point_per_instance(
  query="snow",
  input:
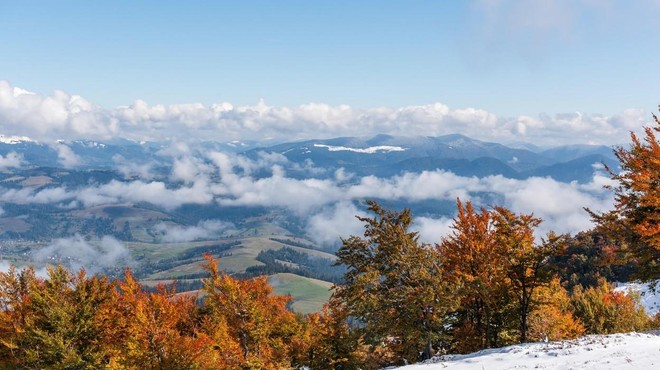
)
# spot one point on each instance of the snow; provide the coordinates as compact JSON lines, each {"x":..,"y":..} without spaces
{"x":14,"y":139}
{"x":650,"y":299}
{"x":616,"y":351}
{"x":369,"y":150}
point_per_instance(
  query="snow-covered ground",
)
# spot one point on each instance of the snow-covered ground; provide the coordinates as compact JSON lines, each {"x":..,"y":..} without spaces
{"x":601,"y":352}
{"x":650,"y":299}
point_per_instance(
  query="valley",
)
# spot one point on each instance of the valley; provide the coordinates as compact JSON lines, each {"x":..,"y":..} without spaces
{"x":274,"y":210}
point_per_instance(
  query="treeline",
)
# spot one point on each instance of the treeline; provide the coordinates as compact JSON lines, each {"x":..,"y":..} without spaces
{"x":487,"y":284}
{"x":289,"y":260}
{"x":67,"y":321}
{"x":188,"y":256}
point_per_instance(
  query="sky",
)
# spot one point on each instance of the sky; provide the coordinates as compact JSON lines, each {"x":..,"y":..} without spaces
{"x":509,"y":57}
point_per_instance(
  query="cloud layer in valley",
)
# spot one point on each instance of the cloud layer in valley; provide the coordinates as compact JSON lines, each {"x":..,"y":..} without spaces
{"x":327,"y":204}
{"x":61,"y":115}
{"x":76,"y":252}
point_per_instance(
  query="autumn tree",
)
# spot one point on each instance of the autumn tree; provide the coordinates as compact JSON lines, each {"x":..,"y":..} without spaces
{"x":58,"y":322}
{"x":525,"y":262}
{"x":15,"y":288}
{"x":257,"y":322}
{"x":159,"y":330}
{"x":604,"y":311}
{"x":494,"y":260}
{"x":331,"y":342}
{"x":392,"y":286}
{"x":552,"y":318}
{"x":635,"y":219}
{"x":588,"y":256}
{"x":472,"y":260}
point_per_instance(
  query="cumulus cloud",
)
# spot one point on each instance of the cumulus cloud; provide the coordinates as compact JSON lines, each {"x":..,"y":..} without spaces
{"x":207,"y":229}
{"x":334,"y":222}
{"x":189,"y":169}
{"x":432,"y":230}
{"x":11,"y":160}
{"x":143,"y":171}
{"x":58,"y":114}
{"x":62,"y":115}
{"x":76,"y":252}
{"x":65,"y":155}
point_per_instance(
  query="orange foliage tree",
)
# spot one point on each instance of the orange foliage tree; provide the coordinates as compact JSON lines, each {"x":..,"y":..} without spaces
{"x":603,"y":310}
{"x":552,"y":319}
{"x":258,"y":323}
{"x":159,"y":330}
{"x":492,"y":257}
{"x":57,"y":322}
{"x":635,"y":219}
{"x":473,"y":262}
{"x":525,"y":262}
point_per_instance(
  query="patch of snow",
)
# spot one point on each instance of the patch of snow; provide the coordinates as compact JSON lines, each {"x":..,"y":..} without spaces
{"x":236,"y":143}
{"x":91,"y":144}
{"x":593,"y":352}
{"x":369,"y":150}
{"x":15,"y":139}
{"x":650,"y":298}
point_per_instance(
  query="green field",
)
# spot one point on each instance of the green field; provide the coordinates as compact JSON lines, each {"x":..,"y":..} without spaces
{"x":308,"y":295}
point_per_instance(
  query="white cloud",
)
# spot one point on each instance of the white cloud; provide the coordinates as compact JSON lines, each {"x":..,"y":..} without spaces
{"x":65,"y":155}
{"x":62,"y":115}
{"x":58,"y":114}
{"x":189,"y":169}
{"x":332,"y":223}
{"x":130,"y":169}
{"x":11,"y":160}
{"x":432,"y":230}
{"x":229,"y":180}
{"x":206,"y":229}
{"x":76,"y":252}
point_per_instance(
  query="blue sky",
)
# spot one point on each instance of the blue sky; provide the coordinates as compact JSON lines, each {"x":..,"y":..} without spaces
{"x":508,"y":57}
{"x":544,"y":71}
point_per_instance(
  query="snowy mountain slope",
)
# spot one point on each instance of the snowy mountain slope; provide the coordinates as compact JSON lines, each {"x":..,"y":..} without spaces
{"x":12,"y":140}
{"x":616,"y":351}
{"x":369,"y":150}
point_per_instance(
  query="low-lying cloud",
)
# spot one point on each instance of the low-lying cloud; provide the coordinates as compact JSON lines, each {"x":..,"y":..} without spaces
{"x":327,"y":204}
{"x":11,"y":160}
{"x":207,"y":229}
{"x":76,"y":252}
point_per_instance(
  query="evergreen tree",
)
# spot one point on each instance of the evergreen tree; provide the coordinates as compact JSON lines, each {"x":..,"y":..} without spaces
{"x":392,"y":286}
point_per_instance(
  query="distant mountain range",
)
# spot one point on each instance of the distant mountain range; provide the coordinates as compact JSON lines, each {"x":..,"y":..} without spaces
{"x":385,"y":155}
{"x":381,"y":155}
